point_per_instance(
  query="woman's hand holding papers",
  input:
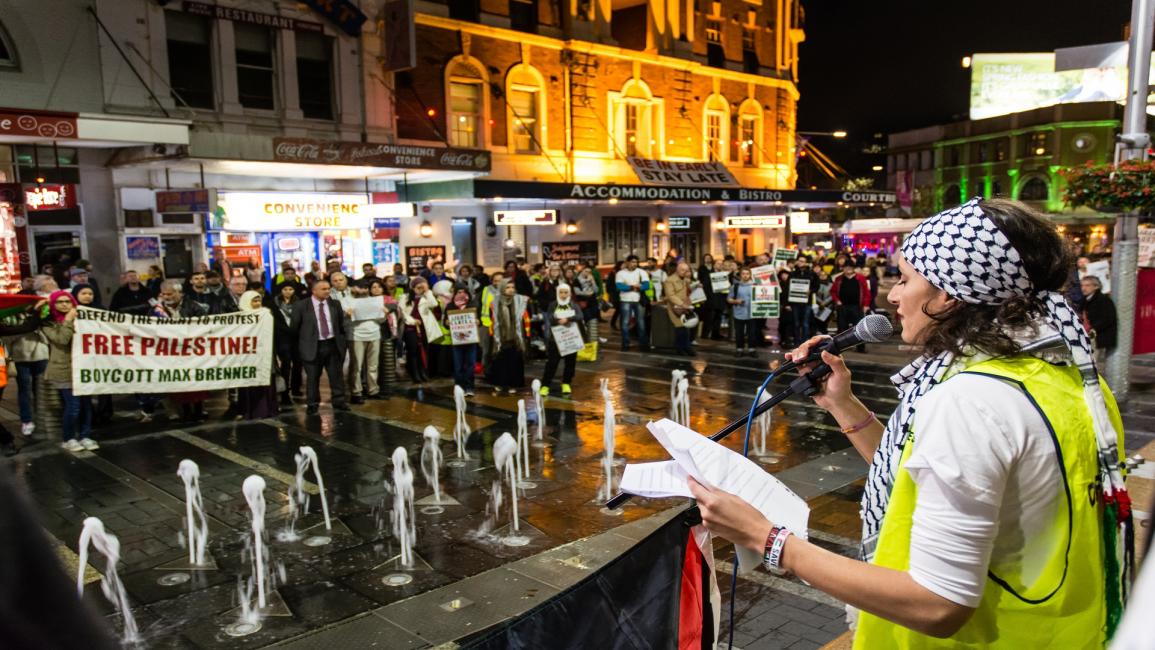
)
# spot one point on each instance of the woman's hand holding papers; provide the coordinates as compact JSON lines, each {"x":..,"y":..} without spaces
{"x":729,"y":517}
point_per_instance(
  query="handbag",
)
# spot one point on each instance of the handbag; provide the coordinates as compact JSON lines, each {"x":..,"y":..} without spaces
{"x":589,"y":352}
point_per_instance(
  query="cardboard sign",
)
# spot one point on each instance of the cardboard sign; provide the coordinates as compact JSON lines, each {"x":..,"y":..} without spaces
{"x":799,"y":292}
{"x":568,"y":339}
{"x":368,"y":308}
{"x":785,"y":254}
{"x":697,"y":294}
{"x":720,"y":282}
{"x":765,"y":274}
{"x":463,"y":327}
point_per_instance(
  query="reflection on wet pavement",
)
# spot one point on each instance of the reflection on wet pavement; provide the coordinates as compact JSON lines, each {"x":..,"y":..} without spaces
{"x":131,"y":484}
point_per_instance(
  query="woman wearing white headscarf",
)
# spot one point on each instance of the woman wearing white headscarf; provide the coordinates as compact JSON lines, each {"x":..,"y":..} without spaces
{"x":562,"y":313}
{"x":257,"y":402}
{"x":994,"y":514}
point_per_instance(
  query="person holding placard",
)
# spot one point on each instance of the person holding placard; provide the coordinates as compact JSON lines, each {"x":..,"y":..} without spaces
{"x":460,"y":320}
{"x":565,"y":333}
{"x":801,"y":289}
{"x":367,"y":314}
{"x":421,"y":314}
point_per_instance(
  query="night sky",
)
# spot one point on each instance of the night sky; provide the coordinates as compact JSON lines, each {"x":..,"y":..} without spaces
{"x":879,"y":67}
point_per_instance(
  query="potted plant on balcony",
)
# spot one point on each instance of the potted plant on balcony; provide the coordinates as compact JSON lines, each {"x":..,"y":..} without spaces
{"x":1112,"y":188}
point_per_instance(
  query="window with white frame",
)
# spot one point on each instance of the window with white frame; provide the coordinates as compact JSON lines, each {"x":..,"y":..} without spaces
{"x":523,"y":100}
{"x":713,"y":136}
{"x":715,"y":128}
{"x":464,"y":114}
{"x":523,"y":109}
{"x":748,"y":140}
{"x":637,"y":121}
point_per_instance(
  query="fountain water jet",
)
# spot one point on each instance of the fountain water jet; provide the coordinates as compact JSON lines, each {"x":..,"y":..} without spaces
{"x":403,"y":518}
{"x":108,"y":545}
{"x":461,"y":429}
{"x":521,"y":460}
{"x":608,"y":442}
{"x":430,"y":466}
{"x":195,"y":519}
{"x":505,"y":453}
{"x":299,"y":498}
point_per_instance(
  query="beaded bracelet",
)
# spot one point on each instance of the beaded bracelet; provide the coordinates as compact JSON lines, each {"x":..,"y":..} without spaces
{"x":870,"y":418}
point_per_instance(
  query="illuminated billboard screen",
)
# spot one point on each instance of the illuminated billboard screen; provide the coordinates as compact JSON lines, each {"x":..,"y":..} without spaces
{"x":1011,"y":83}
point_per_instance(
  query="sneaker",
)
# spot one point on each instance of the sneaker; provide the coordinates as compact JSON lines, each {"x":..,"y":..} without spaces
{"x":565,"y":389}
{"x":89,"y":444}
{"x":145,"y":417}
{"x":544,"y":391}
{"x":72,"y":445}
{"x":27,"y":428}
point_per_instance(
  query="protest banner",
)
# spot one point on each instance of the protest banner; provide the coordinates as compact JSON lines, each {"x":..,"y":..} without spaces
{"x":720,"y":281}
{"x":568,"y":339}
{"x":463,"y":327}
{"x":114,"y":353}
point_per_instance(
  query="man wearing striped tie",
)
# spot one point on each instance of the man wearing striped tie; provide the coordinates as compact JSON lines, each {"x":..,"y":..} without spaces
{"x":322,"y":327}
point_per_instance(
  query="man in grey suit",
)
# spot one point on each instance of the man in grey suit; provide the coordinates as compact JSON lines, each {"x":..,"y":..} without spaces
{"x":322,"y":329}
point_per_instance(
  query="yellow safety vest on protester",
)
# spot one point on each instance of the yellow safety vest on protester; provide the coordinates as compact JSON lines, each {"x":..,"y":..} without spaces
{"x":1064,"y":604}
{"x":487,"y":296}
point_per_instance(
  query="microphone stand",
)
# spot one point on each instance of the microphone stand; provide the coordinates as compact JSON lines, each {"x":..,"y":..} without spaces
{"x":807,"y":384}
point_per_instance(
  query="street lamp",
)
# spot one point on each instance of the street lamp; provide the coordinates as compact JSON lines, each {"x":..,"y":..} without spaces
{"x":834,"y":134}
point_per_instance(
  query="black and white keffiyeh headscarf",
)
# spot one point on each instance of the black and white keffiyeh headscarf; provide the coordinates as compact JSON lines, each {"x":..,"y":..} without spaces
{"x":962,"y":252}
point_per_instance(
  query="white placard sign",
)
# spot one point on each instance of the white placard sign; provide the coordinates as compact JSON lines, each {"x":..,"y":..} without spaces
{"x":720,"y":281}
{"x":368,"y":308}
{"x":799,"y":291}
{"x":568,"y":339}
{"x":463,"y":327}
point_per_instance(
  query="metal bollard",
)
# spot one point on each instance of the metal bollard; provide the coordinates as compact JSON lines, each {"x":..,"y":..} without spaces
{"x":592,"y":329}
{"x":387,"y":372}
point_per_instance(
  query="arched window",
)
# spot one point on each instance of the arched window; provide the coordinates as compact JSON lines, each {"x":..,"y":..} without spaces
{"x":8,"y":57}
{"x":637,"y":121}
{"x":951,"y":196}
{"x":524,"y":97}
{"x":467,"y":103}
{"x":715,"y":128}
{"x":749,"y":133}
{"x":1034,"y":189}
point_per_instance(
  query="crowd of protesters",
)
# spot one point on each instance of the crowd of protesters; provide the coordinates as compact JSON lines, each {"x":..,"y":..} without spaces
{"x":517,"y":312}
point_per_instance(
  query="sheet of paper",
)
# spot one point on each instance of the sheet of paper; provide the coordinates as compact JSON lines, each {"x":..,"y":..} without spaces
{"x":656,"y":480}
{"x":367,"y":308}
{"x":716,"y":467}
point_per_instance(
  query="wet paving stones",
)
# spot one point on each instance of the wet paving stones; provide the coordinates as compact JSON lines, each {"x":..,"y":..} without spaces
{"x":338,"y":589}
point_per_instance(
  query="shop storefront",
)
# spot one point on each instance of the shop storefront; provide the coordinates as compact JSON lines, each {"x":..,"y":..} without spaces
{"x":279,"y":227}
{"x":611,"y":221}
{"x":871,"y":237}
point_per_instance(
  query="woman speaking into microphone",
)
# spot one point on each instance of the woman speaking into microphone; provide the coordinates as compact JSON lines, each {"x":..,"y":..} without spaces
{"x":994,"y":513}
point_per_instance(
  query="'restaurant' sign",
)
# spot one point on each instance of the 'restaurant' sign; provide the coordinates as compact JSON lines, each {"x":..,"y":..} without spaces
{"x":682,"y":174}
{"x":328,"y":152}
{"x":487,"y":189}
{"x":251,"y":17}
{"x":44,"y":124}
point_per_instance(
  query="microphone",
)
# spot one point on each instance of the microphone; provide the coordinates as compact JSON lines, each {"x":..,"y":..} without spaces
{"x":874,"y":328}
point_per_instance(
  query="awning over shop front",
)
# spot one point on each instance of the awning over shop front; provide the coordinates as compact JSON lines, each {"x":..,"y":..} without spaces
{"x":512,"y":191}
{"x":96,"y":130}
{"x":878,"y":226}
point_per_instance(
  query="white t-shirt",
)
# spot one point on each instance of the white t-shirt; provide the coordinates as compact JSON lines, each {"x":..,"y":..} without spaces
{"x":631,"y":278}
{"x":990,"y":488}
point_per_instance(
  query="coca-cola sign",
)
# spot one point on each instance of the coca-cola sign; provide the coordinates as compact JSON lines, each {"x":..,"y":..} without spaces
{"x":402,"y":156}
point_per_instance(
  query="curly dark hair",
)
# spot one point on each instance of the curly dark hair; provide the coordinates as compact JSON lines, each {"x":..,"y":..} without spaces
{"x":1048,"y":261}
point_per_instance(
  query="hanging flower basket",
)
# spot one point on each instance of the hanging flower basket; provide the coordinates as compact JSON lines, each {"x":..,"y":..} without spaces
{"x":1110,"y":188}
